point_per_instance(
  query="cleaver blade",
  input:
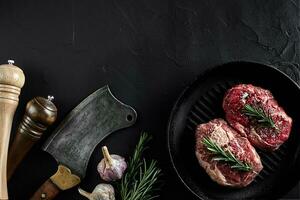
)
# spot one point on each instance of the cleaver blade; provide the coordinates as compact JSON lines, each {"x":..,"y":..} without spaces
{"x":75,"y":139}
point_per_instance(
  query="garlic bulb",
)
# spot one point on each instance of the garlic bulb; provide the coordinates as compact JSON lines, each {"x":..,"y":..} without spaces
{"x":111,"y":167}
{"x":100,"y":192}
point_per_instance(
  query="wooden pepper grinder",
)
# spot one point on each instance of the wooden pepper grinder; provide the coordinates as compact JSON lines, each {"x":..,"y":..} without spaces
{"x":11,"y":81}
{"x":40,"y":113}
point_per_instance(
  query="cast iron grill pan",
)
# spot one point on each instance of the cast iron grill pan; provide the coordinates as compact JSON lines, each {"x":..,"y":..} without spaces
{"x":202,"y":101}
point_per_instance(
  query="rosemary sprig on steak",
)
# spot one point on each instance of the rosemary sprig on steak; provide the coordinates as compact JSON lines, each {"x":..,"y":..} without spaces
{"x":225,"y":156}
{"x":258,"y":113}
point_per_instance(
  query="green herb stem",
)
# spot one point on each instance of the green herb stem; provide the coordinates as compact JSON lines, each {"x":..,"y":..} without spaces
{"x":139,"y":182}
{"x":225,"y":156}
{"x":257,"y":113}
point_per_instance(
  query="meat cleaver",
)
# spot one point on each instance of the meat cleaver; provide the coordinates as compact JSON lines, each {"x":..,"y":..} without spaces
{"x":73,"y":142}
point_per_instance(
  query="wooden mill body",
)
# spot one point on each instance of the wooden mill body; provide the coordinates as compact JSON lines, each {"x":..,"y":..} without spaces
{"x":40,"y":113}
{"x":11,"y":81}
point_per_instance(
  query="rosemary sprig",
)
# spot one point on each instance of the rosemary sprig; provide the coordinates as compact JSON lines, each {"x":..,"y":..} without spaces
{"x":139,"y":182}
{"x":258,"y":113}
{"x":225,"y":156}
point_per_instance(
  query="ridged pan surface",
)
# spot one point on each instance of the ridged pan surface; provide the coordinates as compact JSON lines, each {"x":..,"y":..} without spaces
{"x":202,"y":101}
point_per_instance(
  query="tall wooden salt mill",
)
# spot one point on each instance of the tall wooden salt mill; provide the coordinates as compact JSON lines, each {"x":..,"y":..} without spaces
{"x":11,"y":81}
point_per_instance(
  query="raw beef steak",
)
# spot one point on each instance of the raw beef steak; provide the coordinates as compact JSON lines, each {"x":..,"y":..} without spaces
{"x":223,"y":172}
{"x":255,"y":114}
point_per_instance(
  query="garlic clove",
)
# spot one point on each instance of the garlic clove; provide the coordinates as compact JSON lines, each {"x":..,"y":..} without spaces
{"x":101,"y":192}
{"x":111,"y":167}
{"x":107,"y":157}
{"x":84,"y":193}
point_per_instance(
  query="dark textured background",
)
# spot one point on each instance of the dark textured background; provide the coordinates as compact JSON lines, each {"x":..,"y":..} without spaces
{"x":147,"y":51}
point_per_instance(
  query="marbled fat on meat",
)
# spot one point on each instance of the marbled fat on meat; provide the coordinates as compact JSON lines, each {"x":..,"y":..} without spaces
{"x":227,"y":138}
{"x":266,"y":138}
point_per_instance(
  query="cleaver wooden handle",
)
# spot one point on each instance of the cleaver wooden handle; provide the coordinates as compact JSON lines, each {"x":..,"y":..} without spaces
{"x":63,"y":179}
{"x":47,"y":191}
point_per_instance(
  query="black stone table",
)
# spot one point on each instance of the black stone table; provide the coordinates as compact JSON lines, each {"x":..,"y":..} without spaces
{"x":147,"y":51}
